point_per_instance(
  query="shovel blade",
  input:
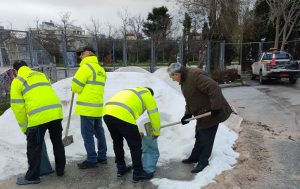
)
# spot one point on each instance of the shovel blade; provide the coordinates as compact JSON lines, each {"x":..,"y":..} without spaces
{"x":67,"y":140}
{"x":148,"y":128}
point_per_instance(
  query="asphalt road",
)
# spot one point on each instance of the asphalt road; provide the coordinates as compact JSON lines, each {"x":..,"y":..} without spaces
{"x":275,"y":106}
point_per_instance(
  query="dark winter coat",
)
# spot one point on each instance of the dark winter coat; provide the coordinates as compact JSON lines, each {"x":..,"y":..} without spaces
{"x":202,"y":94}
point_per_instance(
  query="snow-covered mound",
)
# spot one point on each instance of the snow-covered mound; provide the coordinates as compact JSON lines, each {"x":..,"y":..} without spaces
{"x":174,"y":143}
{"x":164,"y":76}
{"x":131,"y":69}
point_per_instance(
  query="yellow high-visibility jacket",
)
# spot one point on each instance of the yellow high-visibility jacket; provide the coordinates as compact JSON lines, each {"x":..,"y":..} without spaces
{"x":89,"y":82}
{"x":129,"y":104}
{"x":33,"y":99}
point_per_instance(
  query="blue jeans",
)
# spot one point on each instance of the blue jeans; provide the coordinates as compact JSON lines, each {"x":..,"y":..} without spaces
{"x":91,"y":126}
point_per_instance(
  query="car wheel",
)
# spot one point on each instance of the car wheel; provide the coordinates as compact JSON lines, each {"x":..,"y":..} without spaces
{"x":261,"y":78}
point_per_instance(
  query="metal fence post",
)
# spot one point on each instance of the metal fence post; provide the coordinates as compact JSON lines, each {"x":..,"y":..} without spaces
{"x":222,"y":55}
{"x":260,"y":47}
{"x":30,"y":49}
{"x":180,"y":52}
{"x":153,"y":56}
{"x":95,"y":44}
{"x":1,"y":56}
{"x":64,"y":49}
{"x":124,"y":52}
{"x":208,"y":63}
{"x":113,"y":53}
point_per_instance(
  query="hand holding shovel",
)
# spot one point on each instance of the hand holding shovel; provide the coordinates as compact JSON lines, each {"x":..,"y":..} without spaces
{"x":148,"y":126}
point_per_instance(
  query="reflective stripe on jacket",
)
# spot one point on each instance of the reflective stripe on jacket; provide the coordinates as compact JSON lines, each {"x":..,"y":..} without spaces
{"x":89,"y":82}
{"x":33,"y":100}
{"x":129,"y":104}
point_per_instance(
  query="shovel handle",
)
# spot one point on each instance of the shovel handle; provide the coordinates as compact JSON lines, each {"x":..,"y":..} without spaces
{"x":69,"y":117}
{"x":190,"y":119}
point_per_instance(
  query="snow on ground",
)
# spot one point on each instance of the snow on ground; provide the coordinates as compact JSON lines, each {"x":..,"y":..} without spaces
{"x":170,"y":103}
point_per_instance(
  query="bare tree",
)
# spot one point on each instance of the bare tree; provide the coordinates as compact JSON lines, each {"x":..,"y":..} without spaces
{"x":225,"y":12}
{"x":135,"y":23}
{"x":65,"y":26}
{"x":109,"y":29}
{"x":37,"y":29}
{"x":95,"y":27}
{"x":284,"y":15}
{"x":124,"y":15}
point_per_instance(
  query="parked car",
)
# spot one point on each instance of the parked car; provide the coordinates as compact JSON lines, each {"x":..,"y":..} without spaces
{"x":275,"y":65}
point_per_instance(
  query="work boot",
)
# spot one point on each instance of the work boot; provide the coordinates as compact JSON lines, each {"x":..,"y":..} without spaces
{"x":102,"y":161}
{"x":86,"y":165}
{"x":123,"y":169}
{"x":198,"y":168}
{"x":143,"y":175}
{"x":60,"y":173}
{"x":189,"y":161}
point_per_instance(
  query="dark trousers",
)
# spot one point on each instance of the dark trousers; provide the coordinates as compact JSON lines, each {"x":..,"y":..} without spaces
{"x":35,"y":138}
{"x":203,"y":145}
{"x":119,"y":129}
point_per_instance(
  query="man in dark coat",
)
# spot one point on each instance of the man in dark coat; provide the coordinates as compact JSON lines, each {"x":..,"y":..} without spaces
{"x":202,"y":94}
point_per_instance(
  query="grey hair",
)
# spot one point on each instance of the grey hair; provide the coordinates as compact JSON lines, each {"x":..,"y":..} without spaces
{"x":175,"y":68}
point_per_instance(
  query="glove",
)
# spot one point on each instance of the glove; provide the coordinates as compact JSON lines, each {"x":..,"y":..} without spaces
{"x":186,"y":116}
{"x":215,"y":112}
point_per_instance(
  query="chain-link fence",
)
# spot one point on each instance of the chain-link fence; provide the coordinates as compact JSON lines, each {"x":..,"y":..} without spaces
{"x":53,"y":52}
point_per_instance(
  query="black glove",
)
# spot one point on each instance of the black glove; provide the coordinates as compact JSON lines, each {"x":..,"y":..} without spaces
{"x":215,"y":112}
{"x":186,"y":116}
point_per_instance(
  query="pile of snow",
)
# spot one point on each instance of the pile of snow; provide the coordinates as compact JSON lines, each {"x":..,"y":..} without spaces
{"x":171,"y":105}
{"x":131,"y":69}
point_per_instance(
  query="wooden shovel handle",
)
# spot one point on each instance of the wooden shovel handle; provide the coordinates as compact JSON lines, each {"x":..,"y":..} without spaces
{"x":69,"y":117}
{"x":190,"y":119}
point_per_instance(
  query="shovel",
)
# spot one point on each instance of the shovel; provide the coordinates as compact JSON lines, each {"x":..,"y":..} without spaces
{"x":148,"y":127}
{"x":69,"y":139}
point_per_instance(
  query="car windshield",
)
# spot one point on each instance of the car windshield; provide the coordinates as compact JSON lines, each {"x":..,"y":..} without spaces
{"x":278,"y":56}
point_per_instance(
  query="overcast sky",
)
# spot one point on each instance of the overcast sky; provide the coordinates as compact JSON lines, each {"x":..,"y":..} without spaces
{"x":20,"y":14}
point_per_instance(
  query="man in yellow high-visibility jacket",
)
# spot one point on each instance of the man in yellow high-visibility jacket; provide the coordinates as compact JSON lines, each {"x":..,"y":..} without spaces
{"x":120,"y":114}
{"x":89,"y":82}
{"x":37,"y":108}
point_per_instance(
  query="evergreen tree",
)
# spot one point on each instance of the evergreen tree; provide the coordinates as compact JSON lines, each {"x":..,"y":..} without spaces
{"x":158,"y":24}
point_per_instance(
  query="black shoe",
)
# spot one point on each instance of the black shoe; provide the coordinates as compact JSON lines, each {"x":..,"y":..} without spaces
{"x":102,"y":161}
{"x":189,"y":161}
{"x":143,"y":175}
{"x":86,"y":165}
{"x":122,"y":170}
{"x":198,"y":168}
{"x":60,"y":173}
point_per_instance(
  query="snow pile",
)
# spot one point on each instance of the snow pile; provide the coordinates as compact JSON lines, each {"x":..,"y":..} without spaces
{"x":171,"y":105}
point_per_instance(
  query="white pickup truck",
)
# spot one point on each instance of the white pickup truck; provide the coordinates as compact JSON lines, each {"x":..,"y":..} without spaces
{"x":282,"y":66}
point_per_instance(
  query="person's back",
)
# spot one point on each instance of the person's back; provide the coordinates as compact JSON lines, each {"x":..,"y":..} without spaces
{"x":41,"y":102}
{"x":129,"y":104}
{"x":37,"y":108}
{"x":120,"y":114}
